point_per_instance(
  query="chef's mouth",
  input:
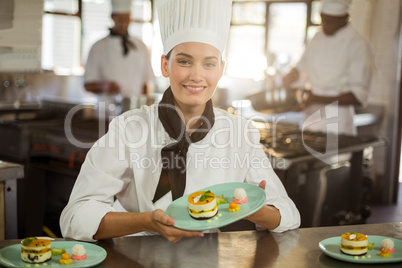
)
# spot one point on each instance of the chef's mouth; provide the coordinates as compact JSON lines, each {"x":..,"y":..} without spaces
{"x":195,"y":88}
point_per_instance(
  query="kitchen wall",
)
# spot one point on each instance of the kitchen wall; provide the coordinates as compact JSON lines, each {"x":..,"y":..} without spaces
{"x":380,"y":23}
{"x":20,"y":36}
{"x":44,"y":85}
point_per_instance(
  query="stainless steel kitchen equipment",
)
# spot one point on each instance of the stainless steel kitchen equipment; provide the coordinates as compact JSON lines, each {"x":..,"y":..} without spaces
{"x":325,"y":175}
{"x":37,"y":140}
{"x":277,"y":99}
{"x":9,"y":174}
{"x":52,"y":143}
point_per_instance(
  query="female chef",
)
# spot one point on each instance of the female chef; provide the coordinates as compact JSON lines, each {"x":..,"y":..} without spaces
{"x":154,"y":155}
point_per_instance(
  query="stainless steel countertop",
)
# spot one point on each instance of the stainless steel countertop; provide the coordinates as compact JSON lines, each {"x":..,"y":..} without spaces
{"x":297,"y":248}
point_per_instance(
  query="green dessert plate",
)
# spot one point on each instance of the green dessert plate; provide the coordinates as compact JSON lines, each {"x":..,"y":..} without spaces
{"x":330,"y":247}
{"x":178,"y":209}
{"x":11,"y":256}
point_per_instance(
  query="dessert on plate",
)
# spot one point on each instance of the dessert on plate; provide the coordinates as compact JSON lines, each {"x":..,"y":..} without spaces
{"x":65,"y":259}
{"x":240,"y":196}
{"x":202,"y":205}
{"x":58,"y":251}
{"x":34,"y":250}
{"x":354,"y":244}
{"x":233,"y":207}
{"x":78,"y":252}
{"x":385,"y":253}
{"x":388,"y":244}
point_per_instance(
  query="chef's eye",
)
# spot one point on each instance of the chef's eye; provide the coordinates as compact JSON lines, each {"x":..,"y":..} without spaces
{"x":210,"y":64}
{"x":184,"y":62}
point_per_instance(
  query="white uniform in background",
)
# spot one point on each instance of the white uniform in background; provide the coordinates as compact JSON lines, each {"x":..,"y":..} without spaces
{"x":106,"y":62}
{"x":334,"y":65}
{"x":131,"y":173}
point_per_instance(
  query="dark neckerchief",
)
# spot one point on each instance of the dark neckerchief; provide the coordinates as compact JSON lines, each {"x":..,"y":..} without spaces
{"x":125,"y":41}
{"x":174,"y":156}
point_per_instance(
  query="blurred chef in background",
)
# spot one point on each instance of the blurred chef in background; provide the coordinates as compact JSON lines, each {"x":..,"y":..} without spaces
{"x":119,"y":63}
{"x":338,"y":64}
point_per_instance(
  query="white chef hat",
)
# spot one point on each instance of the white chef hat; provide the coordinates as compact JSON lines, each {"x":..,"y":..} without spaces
{"x":204,"y":21}
{"x":121,"y":6}
{"x":335,"y":7}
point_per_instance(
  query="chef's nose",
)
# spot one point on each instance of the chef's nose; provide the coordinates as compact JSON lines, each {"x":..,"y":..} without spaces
{"x":196,"y":73}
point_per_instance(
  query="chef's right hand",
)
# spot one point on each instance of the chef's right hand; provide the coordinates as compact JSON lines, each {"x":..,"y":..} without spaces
{"x":289,"y":78}
{"x":109,"y":87}
{"x":112,"y":87}
{"x":164,"y":226}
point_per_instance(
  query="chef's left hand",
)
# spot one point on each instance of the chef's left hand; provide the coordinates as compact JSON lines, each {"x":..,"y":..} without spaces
{"x":163,"y":224}
{"x":268,"y":216}
{"x":262,"y":184}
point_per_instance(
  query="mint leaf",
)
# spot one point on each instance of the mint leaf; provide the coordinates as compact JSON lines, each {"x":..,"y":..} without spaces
{"x":205,"y":195}
{"x":28,"y":240}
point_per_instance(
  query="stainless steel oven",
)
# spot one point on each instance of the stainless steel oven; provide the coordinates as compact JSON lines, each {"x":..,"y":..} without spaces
{"x":329,"y":184}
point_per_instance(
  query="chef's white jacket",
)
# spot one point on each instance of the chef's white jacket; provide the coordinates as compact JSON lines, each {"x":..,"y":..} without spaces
{"x":126,"y":163}
{"x":106,"y":62}
{"x":334,"y":65}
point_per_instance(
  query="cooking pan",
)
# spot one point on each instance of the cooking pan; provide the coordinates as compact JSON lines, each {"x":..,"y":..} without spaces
{"x":277,"y":99}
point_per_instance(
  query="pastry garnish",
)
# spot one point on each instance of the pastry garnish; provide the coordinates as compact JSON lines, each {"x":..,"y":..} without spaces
{"x":205,"y":195}
{"x":233,"y":207}
{"x":58,"y":251}
{"x":65,"y":259}
{"x":220,"y":200}
{"x":370,"y":246}
{"x":28,"y":240}
{"x":385,"y":253}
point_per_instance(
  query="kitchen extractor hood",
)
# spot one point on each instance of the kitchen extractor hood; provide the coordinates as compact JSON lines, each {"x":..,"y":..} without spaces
{"x":21,"y":35}
{"x":6,"y":13}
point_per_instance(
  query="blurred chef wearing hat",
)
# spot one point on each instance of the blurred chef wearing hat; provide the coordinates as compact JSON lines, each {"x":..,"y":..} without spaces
{"x":180,"y":133}
{"x":338,"y":64}
{"x":119,"y":63}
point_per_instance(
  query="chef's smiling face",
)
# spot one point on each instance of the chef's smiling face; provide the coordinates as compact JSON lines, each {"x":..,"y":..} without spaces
{"x":331,"y":24}
{"x":194,"y":70}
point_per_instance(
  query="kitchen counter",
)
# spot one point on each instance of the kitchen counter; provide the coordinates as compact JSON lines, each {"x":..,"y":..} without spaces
{"x":297,"y":248}
{"x":367,"y":116}
{"x":10,"y":171}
